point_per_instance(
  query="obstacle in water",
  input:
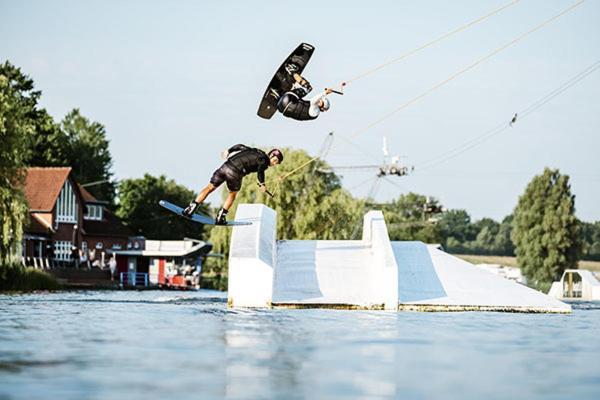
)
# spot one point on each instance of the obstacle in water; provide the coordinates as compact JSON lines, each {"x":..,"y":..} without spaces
{"x":371,"y":273}
{"x":576,"y":284}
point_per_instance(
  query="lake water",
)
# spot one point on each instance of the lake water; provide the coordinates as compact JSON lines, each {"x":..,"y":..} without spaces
{"x":174,"y":345}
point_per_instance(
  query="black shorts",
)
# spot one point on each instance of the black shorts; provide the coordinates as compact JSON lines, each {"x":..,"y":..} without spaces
{"x":229,"y":174}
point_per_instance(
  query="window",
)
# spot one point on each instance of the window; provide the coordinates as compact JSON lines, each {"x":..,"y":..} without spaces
{"x":62,"y":250}
{"x":66,"y":206}
{"x":39,"y":245}
{"x":94,"y":212}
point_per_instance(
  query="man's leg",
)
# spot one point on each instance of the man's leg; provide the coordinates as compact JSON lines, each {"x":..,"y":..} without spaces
{"x":222,"y":215}
{"x":191,"y":209}
{"x":229,"y":200}
{"x":205,"y":192}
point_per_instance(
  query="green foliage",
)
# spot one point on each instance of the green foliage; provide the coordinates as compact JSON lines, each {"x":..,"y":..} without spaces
{"x":310,"y":204}
{"x":485,"y":236}
{"x":407,"y":220}
{"x":545,"y":229}
{"x":88,"y":154}
{"x":457,"y":224}
{"x":77,"y":142}
{"x":13,"y":276}
{"x":18,"y":101}
{"x":48,"y":143}
{"x":503,"y":244}
{"x":29,"y":136}
{"x":590,"y":235}
{"x":139,"y":209}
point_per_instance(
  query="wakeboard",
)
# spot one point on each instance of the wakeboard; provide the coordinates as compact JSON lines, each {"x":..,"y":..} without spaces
{"x":283,"y":79}
{"x":200,"y":218}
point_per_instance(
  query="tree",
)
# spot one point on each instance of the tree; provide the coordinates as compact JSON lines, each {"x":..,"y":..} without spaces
{"x":456,"y":224}
{"x":76,"y":142}
{"x":310,"y":204}
{"x":18,"y":102}
{"x":139,"y":209}
{"x":590,"y":235}
{"x":48,"y":144}
{"x":486,"y":230}
{"x":88,"y":154}
{"x":545,"y":229}
{"x":503,"y":244}
{"x":407,"y":220}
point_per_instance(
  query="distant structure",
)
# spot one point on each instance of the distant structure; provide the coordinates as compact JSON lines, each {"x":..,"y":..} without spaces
{"x":175,"y":264}
{"x":68,"y":226}
{"x":576,"y":284}
{"x":370,"y":273}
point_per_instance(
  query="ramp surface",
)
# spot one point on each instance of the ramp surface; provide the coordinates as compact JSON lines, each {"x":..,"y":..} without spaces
{"x":372,"y":273}
{"x":432,"y":280}
{"x":326,"y":273}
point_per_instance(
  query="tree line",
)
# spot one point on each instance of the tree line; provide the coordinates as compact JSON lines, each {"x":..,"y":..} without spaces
{"x":542,"y":232}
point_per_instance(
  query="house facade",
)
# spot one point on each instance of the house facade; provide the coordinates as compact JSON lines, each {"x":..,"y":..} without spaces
{"x":68,"y":226}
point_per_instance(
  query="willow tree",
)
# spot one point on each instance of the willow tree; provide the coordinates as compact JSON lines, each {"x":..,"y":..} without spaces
{"x":310,"y":204}
{"x":18,"y":101}
{"x":546,"y":232}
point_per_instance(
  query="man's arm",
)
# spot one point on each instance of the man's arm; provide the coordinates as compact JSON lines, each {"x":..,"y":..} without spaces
{"x":317,"y":98}
{"x":260,"y":175}
{"x":237,"y":147}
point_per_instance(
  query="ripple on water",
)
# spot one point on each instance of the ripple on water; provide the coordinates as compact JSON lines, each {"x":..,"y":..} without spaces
{"x":153,"y":344}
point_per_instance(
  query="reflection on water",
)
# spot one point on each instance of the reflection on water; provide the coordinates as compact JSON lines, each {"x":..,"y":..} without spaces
{"x":144,"y":345}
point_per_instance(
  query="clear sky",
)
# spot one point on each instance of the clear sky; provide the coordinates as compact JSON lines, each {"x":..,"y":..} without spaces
{"x":176,"y":82}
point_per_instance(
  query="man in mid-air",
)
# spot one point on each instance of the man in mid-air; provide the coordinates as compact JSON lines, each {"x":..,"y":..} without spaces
{"x":241,"y":161}
{"x":292,"y":104}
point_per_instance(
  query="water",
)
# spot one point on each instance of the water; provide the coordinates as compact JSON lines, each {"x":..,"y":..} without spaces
{"x":173,"y":345}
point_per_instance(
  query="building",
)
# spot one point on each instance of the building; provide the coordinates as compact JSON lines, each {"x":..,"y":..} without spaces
{"x":164,"y":263}
{"x":102,"y":230}
{"x":68,"y":226}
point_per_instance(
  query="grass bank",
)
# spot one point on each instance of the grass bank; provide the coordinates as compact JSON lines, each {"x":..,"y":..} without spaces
{"x":512,"y":261}
{"x":15,"y":277}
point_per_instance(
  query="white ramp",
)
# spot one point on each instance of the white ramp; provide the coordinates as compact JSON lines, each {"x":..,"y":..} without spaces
{"x":252,"y":257}
{"x":338,"y":273}
{"x":372,"y":273}
{"x":432,"y":280}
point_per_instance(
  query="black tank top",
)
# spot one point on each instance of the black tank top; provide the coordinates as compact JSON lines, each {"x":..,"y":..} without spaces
{"x":249,"y":160}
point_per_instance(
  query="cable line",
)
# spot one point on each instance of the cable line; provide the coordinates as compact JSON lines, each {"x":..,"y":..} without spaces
{"x":442,"y":83}
{"x":458,"y":150}
{"x":467,"y":68}
{"x":431,"y":43}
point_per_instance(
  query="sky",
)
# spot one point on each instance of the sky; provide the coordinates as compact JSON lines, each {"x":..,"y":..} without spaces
{"x":175,"y":83}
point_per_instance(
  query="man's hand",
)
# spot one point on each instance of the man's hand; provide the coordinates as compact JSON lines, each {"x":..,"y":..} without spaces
{"x":262,"y":187}
{"x":328,"y":91}
{"x":224,"y":154}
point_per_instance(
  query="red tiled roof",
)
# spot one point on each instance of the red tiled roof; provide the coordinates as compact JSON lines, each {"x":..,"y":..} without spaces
{"x":43,"y":185}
